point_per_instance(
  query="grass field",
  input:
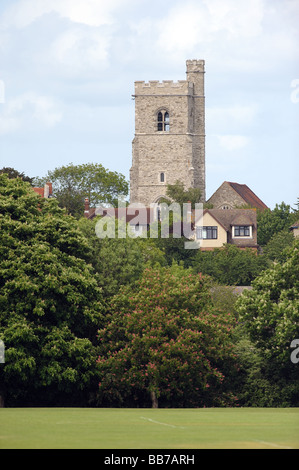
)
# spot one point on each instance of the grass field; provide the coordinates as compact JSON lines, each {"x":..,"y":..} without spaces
{"x":97,"y":428}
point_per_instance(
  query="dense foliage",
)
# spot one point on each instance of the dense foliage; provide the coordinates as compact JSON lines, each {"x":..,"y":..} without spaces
{"x":166,"y":340}
{"x":137,"y":322}
{"x":270,"y":314}
{"x":230,"y":265}
{"x":50,"y":303}
{"x":73,"y":183}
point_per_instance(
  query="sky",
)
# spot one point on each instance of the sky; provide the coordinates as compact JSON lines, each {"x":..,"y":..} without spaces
{"x":68,"y":67}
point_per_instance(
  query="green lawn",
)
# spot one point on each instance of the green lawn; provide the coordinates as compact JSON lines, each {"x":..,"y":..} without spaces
{"x":97,"y":428}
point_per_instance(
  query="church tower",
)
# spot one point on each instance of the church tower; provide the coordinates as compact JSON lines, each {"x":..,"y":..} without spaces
{"x":169,"y":141}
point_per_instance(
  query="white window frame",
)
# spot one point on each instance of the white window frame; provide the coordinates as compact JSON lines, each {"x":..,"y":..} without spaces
{"x":242,"y":236}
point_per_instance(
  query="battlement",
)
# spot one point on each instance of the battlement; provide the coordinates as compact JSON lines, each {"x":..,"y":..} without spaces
{"x":164,"y":87}
{"x":195,"y":65}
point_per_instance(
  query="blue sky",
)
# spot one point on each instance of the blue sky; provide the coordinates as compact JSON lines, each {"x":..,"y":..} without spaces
{"x":67,"y":72}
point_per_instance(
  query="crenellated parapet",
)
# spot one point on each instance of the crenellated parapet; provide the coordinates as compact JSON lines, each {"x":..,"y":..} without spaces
{"x":156,"y":87}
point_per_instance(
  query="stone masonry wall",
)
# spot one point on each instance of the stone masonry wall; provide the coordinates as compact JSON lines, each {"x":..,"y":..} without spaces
{"x":178,"y":153}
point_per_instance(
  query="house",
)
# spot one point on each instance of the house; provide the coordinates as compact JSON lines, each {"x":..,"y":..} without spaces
{"x":138,"y":219}
{"x":232,"y":195}
{"x":295,"y":229}
{"x":45,"y":192}
{"x":217,"y":227}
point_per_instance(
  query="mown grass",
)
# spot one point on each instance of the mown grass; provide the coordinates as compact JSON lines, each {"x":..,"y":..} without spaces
{"x":98,"y":428}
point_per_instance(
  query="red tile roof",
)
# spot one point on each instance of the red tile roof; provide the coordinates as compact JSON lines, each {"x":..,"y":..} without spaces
{"x":248,"y":195}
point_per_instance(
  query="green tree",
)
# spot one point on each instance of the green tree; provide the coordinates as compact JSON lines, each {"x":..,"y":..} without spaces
{"x":165,"y":341}
{"x":50,"y":303}
{"x":270,"y":314}
{"x":275,"y":249}
{"x":12,"y":173}
{"x":273,"y":221}
{"x":73,"y":183}
{"x":177,"y":193}
{"x":117,"y":261}
{"x":230,"y":265}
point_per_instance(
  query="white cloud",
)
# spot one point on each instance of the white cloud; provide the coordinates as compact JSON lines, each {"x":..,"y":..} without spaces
{"x":78,"y":50}
{"x":190,"y":25}
{"x":29,"y":111}
{"x":88,"y":12}
{"x":239,"y":19}
{"x":233,"y":142}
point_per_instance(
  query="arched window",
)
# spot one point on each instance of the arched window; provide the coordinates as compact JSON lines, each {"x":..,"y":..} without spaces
{"x":162,"y":177}
{"x":163,"y":121}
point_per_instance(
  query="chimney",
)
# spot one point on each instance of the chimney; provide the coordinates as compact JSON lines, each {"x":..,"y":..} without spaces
{"x":50,"y":189}
{"x":86,"y":208}
{"x":47,"y":190}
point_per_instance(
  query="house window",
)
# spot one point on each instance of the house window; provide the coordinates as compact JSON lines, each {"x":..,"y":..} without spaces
{"x":242,"y":231}
{"x":207,"y":233}
{"x":162,"y":177}
{"x":163,"y":121}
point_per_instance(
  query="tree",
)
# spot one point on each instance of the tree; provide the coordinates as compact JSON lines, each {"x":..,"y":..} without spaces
{"x":270,"y":313}
{"x":73,"y":183}
{"x":50,"y":303}
{"x":166,"y":342}
{"x":12,"y":173}
{"x":273,"y":221}
{"x":275,"y":248}
{"x":230,"y":265}
{"x":117,"y":261}
{"x":177,"y":193}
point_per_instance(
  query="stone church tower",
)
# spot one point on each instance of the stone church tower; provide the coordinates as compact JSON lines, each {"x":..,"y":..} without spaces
{"x":169,"y":142}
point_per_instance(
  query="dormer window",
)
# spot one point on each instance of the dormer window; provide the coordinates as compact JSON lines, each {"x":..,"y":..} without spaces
{"x":163,"y":121}
{"x":242,"y":231}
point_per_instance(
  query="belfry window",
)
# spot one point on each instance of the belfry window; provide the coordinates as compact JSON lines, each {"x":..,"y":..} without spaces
{"x":163,"y":121}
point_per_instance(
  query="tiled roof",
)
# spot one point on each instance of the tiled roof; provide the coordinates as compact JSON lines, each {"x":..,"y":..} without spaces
{"x":248,"y":195}
{"x":229,"y":217}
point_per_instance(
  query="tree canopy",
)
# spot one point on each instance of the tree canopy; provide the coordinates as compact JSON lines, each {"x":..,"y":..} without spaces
{"x":270,"y":222}
{"x":270,"y":316}
{"x":165,"y":340}
{"x":12,"y":173}
{"x":50,"y":302}
{"x":177,"y":193}
{"x":73,"y":183}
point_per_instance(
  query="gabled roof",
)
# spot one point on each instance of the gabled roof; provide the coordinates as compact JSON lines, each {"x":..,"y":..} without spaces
{"x":248,"y":195}
{"x":228,"y":217}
